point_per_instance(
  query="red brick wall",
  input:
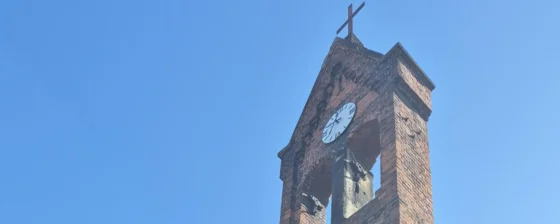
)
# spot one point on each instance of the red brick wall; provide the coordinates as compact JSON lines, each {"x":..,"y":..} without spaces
{"x":385,"y":89}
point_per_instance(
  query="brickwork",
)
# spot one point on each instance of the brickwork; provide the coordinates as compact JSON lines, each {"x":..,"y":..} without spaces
{"x":413,"y":168}
{"x":393,"y":101}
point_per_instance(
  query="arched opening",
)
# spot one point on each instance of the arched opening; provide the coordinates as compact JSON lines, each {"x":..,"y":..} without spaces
{"x":365,"y":143}
{"x":320,"y":183}
{"x":317,"y":193}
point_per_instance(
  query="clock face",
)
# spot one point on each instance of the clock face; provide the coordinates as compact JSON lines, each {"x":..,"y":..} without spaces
{"x":338,"y":122}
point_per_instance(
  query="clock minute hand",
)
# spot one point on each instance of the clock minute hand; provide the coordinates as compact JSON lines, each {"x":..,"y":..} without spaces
{"x":330,"y":130}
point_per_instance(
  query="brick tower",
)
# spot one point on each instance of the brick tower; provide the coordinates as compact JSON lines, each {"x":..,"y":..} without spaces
{"x":364,"y":104}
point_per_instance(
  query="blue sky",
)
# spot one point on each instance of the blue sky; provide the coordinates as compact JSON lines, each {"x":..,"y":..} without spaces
{"x":172,"y":111}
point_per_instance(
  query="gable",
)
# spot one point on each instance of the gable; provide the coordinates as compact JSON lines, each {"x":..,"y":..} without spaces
{"x":339,"y":73}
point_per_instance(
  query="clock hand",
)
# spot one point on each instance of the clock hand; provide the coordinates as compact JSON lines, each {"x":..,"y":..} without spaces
{"x":330,"y":130}
{"x":338,"y":120}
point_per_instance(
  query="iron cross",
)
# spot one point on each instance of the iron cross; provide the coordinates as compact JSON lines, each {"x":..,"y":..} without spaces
{"x":349,"y":22}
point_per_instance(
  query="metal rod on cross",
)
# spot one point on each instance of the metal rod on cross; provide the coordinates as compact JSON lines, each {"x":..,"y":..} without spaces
{"x":349,"y":21}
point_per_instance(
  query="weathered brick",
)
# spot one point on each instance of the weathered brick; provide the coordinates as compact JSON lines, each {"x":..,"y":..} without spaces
{"x":393,"y":100}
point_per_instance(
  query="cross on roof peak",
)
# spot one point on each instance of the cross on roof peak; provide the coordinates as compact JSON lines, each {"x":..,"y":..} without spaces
{"x":349,"y":21}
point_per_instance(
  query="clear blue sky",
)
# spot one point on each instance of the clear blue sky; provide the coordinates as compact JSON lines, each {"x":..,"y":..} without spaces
{"x":172,"y":111}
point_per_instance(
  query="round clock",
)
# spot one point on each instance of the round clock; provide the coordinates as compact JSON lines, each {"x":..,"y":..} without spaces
{"x":338,"y":122}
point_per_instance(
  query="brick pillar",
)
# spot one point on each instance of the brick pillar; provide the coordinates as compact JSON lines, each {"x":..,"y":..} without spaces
{"x":352,"y":186}
{"x":413,"y":165}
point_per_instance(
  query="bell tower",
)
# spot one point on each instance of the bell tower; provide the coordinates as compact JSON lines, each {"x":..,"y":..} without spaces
{"x":363,"y":105}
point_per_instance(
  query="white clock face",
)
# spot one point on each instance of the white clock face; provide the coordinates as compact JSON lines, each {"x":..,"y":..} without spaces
{"x":338,"y":122}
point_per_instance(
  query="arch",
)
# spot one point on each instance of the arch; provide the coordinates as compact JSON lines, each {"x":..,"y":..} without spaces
{"x":315,"y":191}
{"x":318,"y":181}
{"x":365,"y":143}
